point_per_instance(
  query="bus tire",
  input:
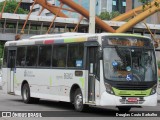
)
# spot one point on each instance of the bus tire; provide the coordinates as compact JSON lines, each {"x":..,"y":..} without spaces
{"x":26,"y":95}
{"x":78,"y":101}
{"x":124,"y":108}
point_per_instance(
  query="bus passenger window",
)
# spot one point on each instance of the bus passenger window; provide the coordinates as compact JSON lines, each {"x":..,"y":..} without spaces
{"x":59,"y":56}
{"x":75,"y":55}
{"x":32,"y":55}
{"x":20,"y":61}
{"x":45,"y":56}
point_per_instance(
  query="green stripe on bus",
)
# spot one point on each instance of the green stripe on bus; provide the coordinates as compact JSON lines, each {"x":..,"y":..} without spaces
{"x":50,"y":81}
{"x":131,"y":92}
{"x":69,"y":40}
{"x":15,"y":80}
{"x":82,"y":80}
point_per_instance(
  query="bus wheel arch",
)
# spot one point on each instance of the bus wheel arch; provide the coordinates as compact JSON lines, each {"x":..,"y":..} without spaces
{"x":25,"y":92}
{"x":72,"y":92}
{"x":23,"y":83}
{"x":76,"y":97}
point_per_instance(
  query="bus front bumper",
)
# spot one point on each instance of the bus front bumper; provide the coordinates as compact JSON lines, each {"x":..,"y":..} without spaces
{"x":112,"y":100}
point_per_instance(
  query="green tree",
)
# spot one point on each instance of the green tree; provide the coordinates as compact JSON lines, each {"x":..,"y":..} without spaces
{"x":108,"y":15}
{"x":11,"y":6}
{"x":104,"y":16}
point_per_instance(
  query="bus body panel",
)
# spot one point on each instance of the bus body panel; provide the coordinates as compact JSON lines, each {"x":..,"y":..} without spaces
{"x":97,"y":92}
{"x":112,"y":100}
{"x":6,"y":78}
{"x":54,"y":84}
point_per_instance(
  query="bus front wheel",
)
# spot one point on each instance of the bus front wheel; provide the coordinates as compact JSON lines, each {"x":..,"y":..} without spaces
{"x":78,"y":101}
{"x":26,"y":95}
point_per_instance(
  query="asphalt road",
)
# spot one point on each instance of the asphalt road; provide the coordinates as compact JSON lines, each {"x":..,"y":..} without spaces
{"x":65,"y":111}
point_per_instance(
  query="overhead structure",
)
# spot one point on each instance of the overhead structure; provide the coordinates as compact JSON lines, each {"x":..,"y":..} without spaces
{"x":50,"y":8}
{"x":131,"y":13}
{"x":3,"y":8}
{"x":140,"y":17}
{"x":78,"y":9}
{"x":85,"y":13}
{"x":140,"y":13}
{"x":135,"y":16}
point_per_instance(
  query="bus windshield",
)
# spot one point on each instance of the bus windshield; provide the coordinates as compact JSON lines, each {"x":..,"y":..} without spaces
{"x":129,"y":64}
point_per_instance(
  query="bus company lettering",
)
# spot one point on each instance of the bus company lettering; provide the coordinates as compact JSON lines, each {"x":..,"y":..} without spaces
{"x":59,"y":77}
{"x":68,"y":75}
{"x":28,"y":73}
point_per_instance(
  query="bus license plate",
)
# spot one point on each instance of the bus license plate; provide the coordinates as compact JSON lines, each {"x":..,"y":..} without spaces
{"x":132,"y":99}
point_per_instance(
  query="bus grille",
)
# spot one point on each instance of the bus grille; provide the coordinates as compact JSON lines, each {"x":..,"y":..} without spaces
{"x":133,"y":86}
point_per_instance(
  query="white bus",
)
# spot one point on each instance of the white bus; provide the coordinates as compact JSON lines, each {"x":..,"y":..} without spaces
{"x":158,"y":61}
{"x":85,"y":69}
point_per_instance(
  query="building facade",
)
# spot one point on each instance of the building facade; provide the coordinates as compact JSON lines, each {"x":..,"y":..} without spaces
{"x":121,"y":6}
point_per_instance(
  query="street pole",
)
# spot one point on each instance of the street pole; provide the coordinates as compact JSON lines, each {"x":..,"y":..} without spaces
{"x":92,"y":16}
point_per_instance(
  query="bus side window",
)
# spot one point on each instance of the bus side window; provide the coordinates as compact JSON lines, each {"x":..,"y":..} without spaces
{"x":59,"y":55}
{"x":32,"y":55}
{"x":5,"y":57}
{"x":75,"y":55}
{"x":45,"y":56}
{"x":20,"y":61}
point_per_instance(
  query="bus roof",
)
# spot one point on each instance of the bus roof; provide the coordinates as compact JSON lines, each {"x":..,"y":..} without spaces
{"x":56,"y":35}
{"x":124,"y":34}
{"x":64,"y":38}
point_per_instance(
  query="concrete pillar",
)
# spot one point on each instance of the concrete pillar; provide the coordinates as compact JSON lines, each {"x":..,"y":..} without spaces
{"x":109,"y":5}
{"x":92,"y":16}
{"x":128,"y":5}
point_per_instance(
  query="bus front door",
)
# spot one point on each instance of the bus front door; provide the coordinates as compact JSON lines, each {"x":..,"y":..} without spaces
{"x":91,"y":60}
{"x":11,"y":66}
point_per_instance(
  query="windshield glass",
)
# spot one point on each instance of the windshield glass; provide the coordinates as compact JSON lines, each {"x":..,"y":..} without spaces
{"x":129,"y":64}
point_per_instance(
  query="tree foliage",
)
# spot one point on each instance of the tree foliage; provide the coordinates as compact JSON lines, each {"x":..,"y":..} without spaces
{"x":108,"y":15}
{"x":11,"y":6}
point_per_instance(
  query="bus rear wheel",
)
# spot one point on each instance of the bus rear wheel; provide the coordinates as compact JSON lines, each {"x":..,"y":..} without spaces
{"x":78,"y":101}
{"x":124,"y":108}
{"x":26,"y":95}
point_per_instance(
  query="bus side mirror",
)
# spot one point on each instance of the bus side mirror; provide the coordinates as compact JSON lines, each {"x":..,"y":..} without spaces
{"x":156,"y":45}
{"x":100,"y":55}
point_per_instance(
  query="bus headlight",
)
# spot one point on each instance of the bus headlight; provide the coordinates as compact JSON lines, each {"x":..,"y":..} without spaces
{"x":109,"y":89}
{"x":153,"y":91}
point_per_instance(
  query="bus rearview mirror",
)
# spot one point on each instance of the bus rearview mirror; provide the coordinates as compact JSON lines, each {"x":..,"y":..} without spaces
{"x":156,"y":45}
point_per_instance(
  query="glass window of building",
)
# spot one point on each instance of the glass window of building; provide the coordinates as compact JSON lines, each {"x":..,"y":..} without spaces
{"x":119,"y":5}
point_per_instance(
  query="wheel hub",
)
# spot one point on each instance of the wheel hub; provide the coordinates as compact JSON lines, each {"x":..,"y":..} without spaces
{"x":25,"y":94}
{"x":79,"y":101}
